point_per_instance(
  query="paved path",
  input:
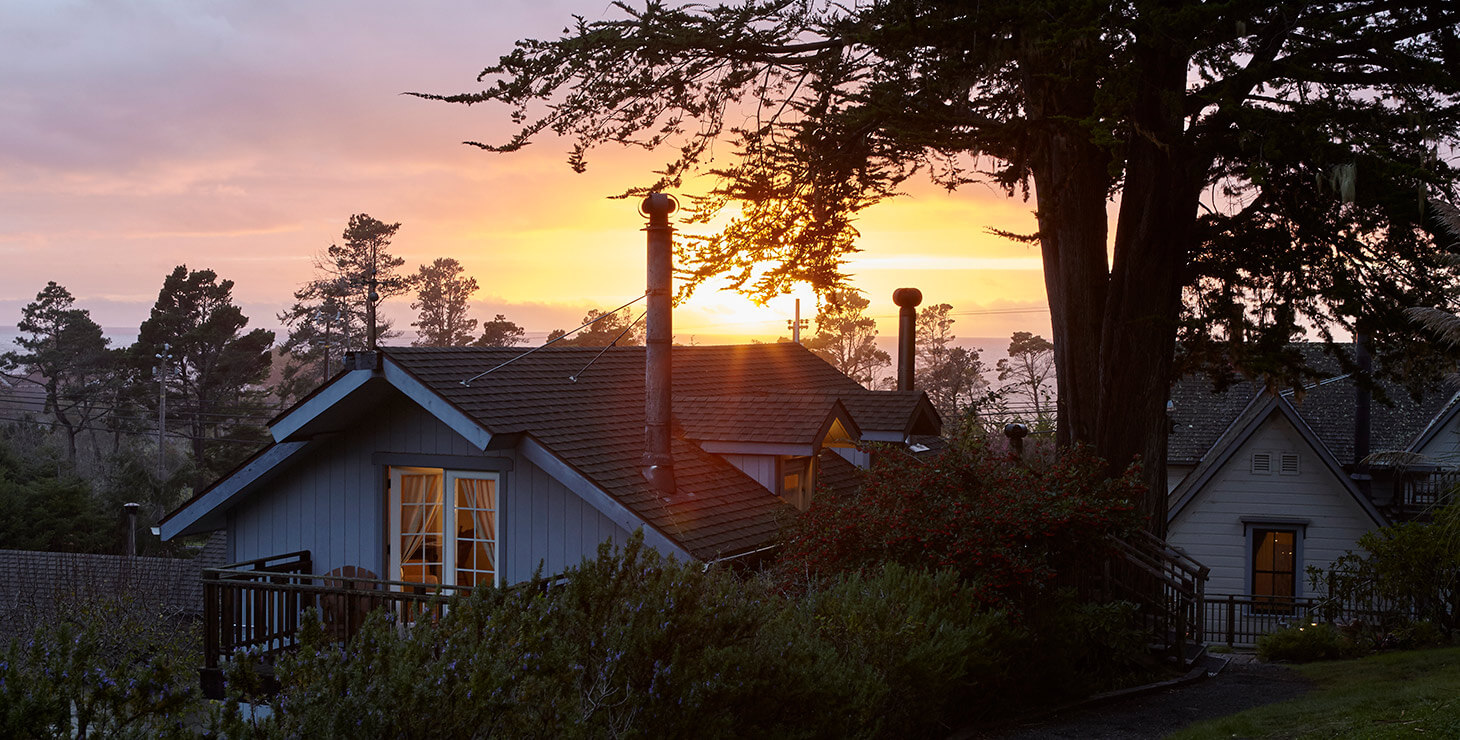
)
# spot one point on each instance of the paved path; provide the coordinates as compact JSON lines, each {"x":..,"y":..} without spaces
{"x":1242,"y":684}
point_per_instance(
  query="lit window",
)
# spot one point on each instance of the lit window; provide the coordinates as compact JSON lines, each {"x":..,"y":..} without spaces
{"x":440,"y":540}
{"x":1274,"y":570}
{"x":796,"y":475}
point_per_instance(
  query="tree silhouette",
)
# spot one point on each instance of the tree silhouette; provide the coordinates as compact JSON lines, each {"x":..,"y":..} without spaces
{"x":951,"y":375}
{"x":1030,"y":366}
{"x":845,"y":337}
{"x":214,"y":369}
{"x":67,"y":356}
{"x":1265,"y":154}
{"x":443,"y":295}
{"x":499,"y":332}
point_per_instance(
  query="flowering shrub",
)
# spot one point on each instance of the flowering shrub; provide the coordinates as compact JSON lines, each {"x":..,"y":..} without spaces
{"x":1009,"y":529}
{"x":105,"y":667}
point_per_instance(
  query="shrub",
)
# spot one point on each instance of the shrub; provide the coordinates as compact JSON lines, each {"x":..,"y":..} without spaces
{"x":1413,"y":568}
{"x":108,"y":667}
{"x":1305,"y":643}
{"x":636,"y":644}
{"x":897,"y":653}
{"x":1011,"y":530}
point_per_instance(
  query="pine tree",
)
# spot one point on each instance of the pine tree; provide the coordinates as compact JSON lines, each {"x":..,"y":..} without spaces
{"x":951,"y":375}
{"x":67,"y":356}
{"x":443,"y":295}
{"x":846,"y":337}
{"x":330,"y":313}
{"x":499,"y":332}
{"x":214,"y":370}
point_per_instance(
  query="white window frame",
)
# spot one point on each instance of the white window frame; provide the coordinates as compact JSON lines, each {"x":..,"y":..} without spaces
{"x":448,"y":520}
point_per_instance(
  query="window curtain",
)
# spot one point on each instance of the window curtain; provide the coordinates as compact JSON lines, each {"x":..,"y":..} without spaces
{"x":481,"y":498}
{"x":416,"y":498}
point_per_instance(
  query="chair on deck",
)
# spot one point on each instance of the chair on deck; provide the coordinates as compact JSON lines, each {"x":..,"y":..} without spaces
{"x":344,"y":613}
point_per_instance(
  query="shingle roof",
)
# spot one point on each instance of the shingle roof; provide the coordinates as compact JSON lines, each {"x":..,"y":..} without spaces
{"x":587,"y":406}
{"x":1200,"y":415}
{"x":766,"y":418}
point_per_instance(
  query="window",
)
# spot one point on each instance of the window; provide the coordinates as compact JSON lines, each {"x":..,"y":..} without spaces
{"x":440,"y":538}
{"x":1274,"y":570}
{"x":796,"y":476}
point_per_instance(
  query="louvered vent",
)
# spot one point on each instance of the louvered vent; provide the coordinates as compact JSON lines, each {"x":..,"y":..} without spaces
{"x":1262,"y":463}
{"x":1288,"y":463}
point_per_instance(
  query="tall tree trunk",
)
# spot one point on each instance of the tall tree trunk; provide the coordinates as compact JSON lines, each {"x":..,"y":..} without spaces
{"x":1152,"y":237}
{"x":1071,"y":178}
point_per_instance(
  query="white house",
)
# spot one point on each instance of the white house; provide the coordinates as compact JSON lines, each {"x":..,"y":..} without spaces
{"x":1264,"y":484}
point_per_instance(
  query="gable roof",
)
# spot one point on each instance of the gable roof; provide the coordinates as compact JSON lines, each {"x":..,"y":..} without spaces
{"x":1200,"y":413}
{"x":1252,"y":417}
{"x":582,"y":410}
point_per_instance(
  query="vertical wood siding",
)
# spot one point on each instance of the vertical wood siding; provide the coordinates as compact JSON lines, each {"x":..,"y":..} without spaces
{"x":1212,"y":530}
{"x":760,"y":467}
{"x":333,"y":502}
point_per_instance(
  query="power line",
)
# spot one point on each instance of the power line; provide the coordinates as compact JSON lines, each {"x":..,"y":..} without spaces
{"x":131,"y":432}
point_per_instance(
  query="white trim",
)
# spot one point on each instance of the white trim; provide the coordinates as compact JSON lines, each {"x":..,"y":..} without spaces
{"x":757,"y":448}
{"x":193,"y":517}
{"x":312,"y":407}
{"x":437,"y":406}
{"x":535,"y":453}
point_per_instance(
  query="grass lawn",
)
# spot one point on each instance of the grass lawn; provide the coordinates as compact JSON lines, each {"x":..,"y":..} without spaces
{"x":1409,"y":694}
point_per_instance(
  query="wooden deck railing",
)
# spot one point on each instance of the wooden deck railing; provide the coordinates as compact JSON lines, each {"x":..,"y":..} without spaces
{"x":1422,"y":493}
{"x":256,"y":605}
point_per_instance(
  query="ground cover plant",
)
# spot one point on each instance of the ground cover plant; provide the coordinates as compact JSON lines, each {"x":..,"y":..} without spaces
{"x":1400,"y":694}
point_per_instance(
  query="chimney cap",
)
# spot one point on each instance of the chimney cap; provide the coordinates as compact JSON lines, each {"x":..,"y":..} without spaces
{"x":907,"y":297}
{"x":658,"y":204}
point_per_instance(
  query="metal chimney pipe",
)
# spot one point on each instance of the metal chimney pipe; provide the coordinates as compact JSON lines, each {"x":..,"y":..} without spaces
{"x":658,"y":463}
{"x":907,"y":300}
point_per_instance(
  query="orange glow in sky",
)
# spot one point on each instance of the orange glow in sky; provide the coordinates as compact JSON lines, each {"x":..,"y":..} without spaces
{"x":241,"y":136}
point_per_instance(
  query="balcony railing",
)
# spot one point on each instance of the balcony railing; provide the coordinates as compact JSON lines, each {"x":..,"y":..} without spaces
{"x":256,"y":605}
{"x":1422,"y":493}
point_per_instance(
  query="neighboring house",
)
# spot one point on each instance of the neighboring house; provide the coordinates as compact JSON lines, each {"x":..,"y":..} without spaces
{"x":415,"y":465}
{"x":1264,"y":485}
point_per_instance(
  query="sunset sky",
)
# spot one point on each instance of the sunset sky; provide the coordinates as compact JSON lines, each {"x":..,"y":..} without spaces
{"x":241,"y":136}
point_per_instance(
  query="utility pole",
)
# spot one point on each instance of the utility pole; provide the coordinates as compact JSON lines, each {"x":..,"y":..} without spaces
{"x":797,"y":324}
{"x":162,"y":413}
